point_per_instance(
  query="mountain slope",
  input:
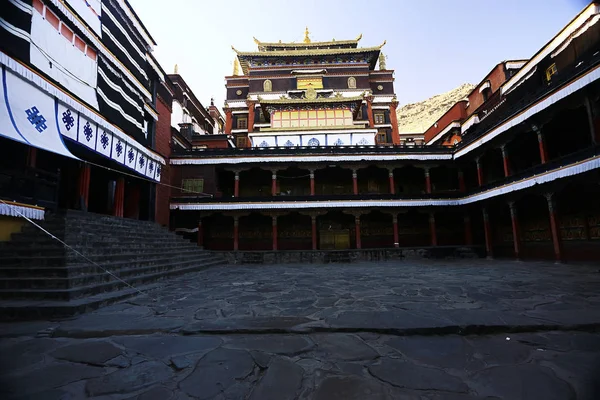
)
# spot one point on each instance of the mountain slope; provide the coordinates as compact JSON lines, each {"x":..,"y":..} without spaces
{"x":417,"y":117}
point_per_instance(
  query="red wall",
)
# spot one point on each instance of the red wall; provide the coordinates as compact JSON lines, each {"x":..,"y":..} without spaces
{"x":455,"y":113}
{"x":163,"y":147}
{"x":497,"y":77}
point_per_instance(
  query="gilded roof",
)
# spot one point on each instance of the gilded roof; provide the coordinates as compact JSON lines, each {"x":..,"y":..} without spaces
{"x":263,"y":46}
{"x":319,"y":100}
{"x":307,"y":52}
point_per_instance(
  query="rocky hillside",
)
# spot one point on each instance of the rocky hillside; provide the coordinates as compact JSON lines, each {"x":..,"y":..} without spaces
{"x":417,"y":117}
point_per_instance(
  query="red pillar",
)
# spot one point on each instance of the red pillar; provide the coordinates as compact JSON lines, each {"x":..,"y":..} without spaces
{"x":236,"y":187}
{"x":228,"y":121}
{"x":432,"y":229}
{"x":461,"y":181}
{"x":394,"y":121}
{"x":200,"y":234}
{"x":515,"y":230}
{"x":542,"y":146}
{"x":392,"y":183}
{"x":427,"y":181}
{"x":468,"y":231}
{"x":84,"y":186}
{"x":369,"y":100}
{"x":396,"y":236}
{"x":314,"y":231}
{"x":488,"y":234}
{"x":505,"y":161}
{"x":479,"y":171}
{"x":312,"y":182}
{"x":119,"y":200}
{"x":250,"y":104}
{"x":32,"y":157}
{"x":556,"y":240}
{"x":355,"y":181}
{"x":236,"y":233}
{"x":274,"y":232}
{"x":357,"y":223}
{"x":274,"y":183}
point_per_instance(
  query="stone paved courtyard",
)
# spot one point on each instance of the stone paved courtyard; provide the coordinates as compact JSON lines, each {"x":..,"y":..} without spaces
{"x":399,"y":330}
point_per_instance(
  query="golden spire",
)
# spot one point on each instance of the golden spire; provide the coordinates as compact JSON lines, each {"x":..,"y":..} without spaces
{"x":358,"y":37}
{"x":236,"y":67}
{"x":176,"y":69}
{"x":382,"y":61}
{"x":306,"y":38}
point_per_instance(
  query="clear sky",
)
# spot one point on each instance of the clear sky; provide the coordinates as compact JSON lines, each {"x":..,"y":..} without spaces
{"x":433,"y":45}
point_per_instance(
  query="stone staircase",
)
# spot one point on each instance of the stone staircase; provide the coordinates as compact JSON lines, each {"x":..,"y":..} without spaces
{"x":41,"y":278}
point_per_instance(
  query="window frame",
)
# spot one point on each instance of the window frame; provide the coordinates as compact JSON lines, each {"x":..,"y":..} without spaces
{"x":239,"y":123}
{"x":376,"y":117}
{"x":192,"y":186}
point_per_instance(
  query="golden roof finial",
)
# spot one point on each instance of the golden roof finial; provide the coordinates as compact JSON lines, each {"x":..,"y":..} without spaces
{"x":382,"y":61}
{"x":306,"y":38}
{"x":176,"y":69}
{"x":359,"y":37}
{"x":256,"y":40}
{"x":236,"y":67}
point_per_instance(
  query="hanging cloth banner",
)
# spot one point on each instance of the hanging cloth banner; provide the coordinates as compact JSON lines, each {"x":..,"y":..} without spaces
{"x":29,"y":116}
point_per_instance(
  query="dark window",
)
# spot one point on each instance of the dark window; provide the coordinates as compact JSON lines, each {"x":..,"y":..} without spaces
{"x":379,"y":118}
{"x":192,"y":186}
{"x":242,"y":123}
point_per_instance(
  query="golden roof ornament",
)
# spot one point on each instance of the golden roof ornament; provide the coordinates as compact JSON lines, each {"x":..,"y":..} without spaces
{"x":306,"y":37}
{"x":382,"y":61}
{"x":236,"y":67}
{"x":176,"y":69}
{"x":311,"y":93}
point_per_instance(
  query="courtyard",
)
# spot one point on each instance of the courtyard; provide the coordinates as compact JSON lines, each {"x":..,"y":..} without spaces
{"x":471,"y":329}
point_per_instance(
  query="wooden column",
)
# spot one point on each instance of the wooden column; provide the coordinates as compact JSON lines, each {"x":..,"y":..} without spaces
{"x":228,"y":121}
{"x":394,"y":121}
{"x":591,"y":115}
{"x":468,"y":231}
{"x":505,"y":161}
{"x":396,"y":236}
{"x":556,"y":240}
{"x":31,"y":157}
{"x":236,"y":233}
{"x":488,"y":233}
{"x":274,"y":182}
{"x":357,"y":227}
{"x":542,"y":147}
{"x":200,"y":234}
{"x":427,"y":181}
{"x":369,"y":100}
{"x":313,"y":219}
{"x":312,"y":182}
{"x":479,"y":171}
{"x":236,"y":184}
{"x":274,"y":232}
{"x":515,"y":229}
{"x":432,"y":229}
{"x":250,"y":104}
{"x":84,"y":186}
{"x":119,"y":201}
{"x":355,"y":181}
{"x":461,"y":181}
{"x":392,"y":182}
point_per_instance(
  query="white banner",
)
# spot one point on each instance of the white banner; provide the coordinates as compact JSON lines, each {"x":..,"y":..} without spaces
{"x":104,"y":142}
{"x":86,"y":134}
{"x":57,"y":56}
{"x":90,"y":11}
{"x":29,"y":116}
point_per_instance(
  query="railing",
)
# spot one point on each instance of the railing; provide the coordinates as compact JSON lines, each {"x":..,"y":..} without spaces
{"x":30,"y":186}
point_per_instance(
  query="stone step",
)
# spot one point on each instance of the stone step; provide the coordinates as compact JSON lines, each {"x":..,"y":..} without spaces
{"x":77,"y":231}
{"x":90,"y":290}
{"x":94,"y":249}
{"x":11,"y":310}
{"x":82,"y":269}
{"x":97,"y":276}
{"x":124,"y":258}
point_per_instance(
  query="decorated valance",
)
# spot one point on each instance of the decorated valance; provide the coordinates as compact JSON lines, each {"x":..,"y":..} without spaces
{"x":13,"y":209}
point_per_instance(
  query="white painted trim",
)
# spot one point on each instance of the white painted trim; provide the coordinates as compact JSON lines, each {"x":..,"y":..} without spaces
{"x":486,"y":85}
{"x":118,"y":89}
{"x":22,"y":6}
{"x":311,"y":132}
{"x":577,"y":168}
{"x":155,"y":67}
{"x":515,"y":64}
{"x":472,"y":120}
{"x":239,"y":130}
{"x":133,"y":20}
{"x":443,"y":132}
{"x":567,"y":90}
{"x":255,"y":158}
{"x":554,"y":43}
{"x":13,"y":210}
{"x":150,"y":111}
{"x":592,"y":21}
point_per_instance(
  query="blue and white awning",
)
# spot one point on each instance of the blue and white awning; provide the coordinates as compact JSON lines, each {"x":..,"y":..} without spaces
{"x":28,"y":115}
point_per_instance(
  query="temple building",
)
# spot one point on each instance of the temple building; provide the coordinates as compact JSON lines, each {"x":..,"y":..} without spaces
{"x":319,"y":168}
{"x":79,"y":119}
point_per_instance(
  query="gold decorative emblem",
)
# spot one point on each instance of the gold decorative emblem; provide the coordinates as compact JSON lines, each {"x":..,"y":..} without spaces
{"x":238,"y":92}
{"x":311,"y":93}
{"x":379,"y":87}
